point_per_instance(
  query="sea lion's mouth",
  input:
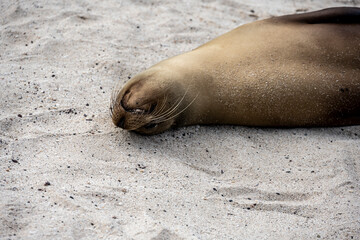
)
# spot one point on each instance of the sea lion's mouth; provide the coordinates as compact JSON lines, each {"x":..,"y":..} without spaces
{"x":137,"y":110}
{"x":145,"y":109}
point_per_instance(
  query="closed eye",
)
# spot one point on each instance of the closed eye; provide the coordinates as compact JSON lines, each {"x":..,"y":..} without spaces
{"x":150,"y":125}
{"x":152,"y":108}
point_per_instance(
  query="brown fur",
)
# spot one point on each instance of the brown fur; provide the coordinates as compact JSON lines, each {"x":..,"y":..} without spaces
{"x":290,"y":71}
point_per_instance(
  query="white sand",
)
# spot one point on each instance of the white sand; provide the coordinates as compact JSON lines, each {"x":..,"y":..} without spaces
{"x":58,"y":63}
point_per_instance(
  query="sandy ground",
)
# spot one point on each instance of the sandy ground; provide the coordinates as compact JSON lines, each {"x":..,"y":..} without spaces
{"x":67,"y":173}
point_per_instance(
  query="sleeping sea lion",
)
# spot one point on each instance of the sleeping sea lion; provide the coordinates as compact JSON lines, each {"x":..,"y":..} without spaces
{"x":298,"y":70}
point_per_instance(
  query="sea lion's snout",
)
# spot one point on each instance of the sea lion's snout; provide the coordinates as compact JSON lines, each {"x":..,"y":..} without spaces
{"x":139,"y":111}
{"x":135,"y":101}
{"x":129,"y":111}
{"x":118,"y":113}
{"x":118,"y":117}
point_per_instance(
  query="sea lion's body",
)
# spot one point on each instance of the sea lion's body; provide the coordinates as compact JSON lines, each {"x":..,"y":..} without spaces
{"x":291,"y":71}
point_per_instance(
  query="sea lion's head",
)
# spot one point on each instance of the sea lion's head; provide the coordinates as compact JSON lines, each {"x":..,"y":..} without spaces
{"x":150,"y":103}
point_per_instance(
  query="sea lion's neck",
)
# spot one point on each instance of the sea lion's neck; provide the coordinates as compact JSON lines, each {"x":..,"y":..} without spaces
{"x":207,"y":99}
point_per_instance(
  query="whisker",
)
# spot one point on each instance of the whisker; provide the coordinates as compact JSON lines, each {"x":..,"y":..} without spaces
{"x":177,"y":114}
{"x":111,"y":111}
{"x":172,"y":109}
{"x":165,"y":113}
{"x":161,"y":107}
{"x":163,"y":104}
{"x":114,"y":93}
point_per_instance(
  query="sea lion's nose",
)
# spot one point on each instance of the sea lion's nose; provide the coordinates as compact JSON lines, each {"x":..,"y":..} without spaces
{"x":121,"y":122}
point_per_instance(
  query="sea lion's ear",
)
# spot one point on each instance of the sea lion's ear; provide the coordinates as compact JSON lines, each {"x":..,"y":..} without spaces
{"x":340,"y":15}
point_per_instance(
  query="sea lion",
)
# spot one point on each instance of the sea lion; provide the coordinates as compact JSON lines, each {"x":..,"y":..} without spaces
{"x":298,"y":70}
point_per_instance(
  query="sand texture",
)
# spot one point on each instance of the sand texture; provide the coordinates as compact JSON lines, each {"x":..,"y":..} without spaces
{"x":67,"y":173}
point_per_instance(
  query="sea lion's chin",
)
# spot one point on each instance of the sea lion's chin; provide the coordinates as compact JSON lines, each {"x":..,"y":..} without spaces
{"x":142,"y":123}
{"x":153,"y":128}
